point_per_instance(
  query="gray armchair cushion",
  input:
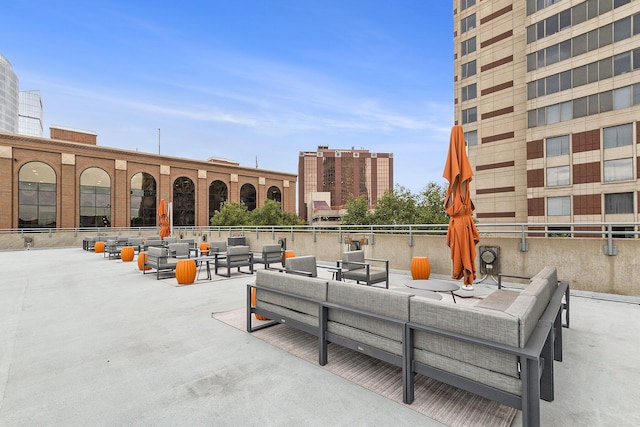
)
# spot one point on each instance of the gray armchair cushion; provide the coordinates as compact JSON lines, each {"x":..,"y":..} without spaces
{"x":218,"y":246}
{"x":353,"y":256}
{"x":269,"y":254}
{"x":169,"y":240}
{"x":179,"y":250}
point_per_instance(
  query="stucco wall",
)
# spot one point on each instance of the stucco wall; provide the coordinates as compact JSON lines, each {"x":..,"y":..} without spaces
{"x":581,"y":261}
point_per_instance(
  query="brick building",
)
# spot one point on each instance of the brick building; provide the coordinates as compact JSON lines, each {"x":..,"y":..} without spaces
{"x":68,"y":181}
{"x":548,"y":93}
{"x":342,"y":173}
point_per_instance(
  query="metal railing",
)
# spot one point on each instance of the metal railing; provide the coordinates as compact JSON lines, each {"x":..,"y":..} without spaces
{"x":523,"y":231}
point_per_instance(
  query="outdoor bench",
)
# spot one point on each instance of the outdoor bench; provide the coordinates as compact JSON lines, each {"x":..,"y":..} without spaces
{"x":505,"y":354}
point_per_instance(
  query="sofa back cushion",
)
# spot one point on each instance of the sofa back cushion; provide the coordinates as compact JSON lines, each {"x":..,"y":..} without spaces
{"x":482,"y":323}
{"x":372,"y":300}
{"x":543,"y":284}
{"x":307,"y":287}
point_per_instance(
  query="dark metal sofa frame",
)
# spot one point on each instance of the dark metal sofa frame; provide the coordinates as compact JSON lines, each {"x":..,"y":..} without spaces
{"x":536,"y":358}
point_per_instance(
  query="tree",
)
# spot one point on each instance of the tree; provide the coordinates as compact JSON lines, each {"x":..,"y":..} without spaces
{"x":269,"y":214}
{"x":431,"y":204}
{"x":272,"y":214}
{"x":231,"y":213}
{"x":397,"y":206}
{"x":358,"y":212}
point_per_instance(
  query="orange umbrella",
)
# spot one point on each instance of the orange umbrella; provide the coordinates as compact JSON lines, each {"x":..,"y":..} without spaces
{"x":163,"y":219}
{"x":462,"y":235}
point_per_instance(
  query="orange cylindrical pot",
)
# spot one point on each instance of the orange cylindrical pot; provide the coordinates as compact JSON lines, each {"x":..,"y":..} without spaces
{"x":98,"y":247}
{"x":253,"y":304}
{"x":186,"y":271}
{"x":126,"y":254}
{"x":204,"y":248}
{"x":420,"y":268}
{"x":142,"y":260}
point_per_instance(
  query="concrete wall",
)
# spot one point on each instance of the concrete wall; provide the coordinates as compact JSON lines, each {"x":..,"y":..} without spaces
{"x":581,"y":261}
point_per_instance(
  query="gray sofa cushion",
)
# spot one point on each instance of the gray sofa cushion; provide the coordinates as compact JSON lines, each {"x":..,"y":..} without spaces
{"x":509,"y":383}
{"x":303,"y":286}
{"x":499,"y":300}
{"x":377,"y":332}
{"x":543,"y":284}
{"x":524,"y":308}
{"x":482,"y":323}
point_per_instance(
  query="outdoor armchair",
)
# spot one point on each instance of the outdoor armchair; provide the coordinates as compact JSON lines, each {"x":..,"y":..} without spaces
{"x":236,"y":256}
{"x":159,"y":259}
{"x":354,"y":266}
{"x":270,"y":254}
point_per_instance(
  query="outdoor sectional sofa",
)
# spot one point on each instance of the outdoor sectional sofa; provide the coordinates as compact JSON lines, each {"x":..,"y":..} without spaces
{"x":503,"y":349}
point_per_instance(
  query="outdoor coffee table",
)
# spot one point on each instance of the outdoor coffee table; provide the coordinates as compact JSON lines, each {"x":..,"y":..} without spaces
{"x":434,"y":285}
{"x":204,"y":260}
{"x":421,"y":293}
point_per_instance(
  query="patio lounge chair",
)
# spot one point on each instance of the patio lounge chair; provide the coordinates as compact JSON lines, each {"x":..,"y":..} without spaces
{"x":270,"y":254}
{"x":353,"y":266}
{"x":236,"y":256}
{"x":159,"y":259}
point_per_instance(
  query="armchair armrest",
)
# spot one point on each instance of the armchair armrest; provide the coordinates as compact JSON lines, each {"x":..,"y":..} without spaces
{"x":501,"y":275}
{"x":290,"y":271}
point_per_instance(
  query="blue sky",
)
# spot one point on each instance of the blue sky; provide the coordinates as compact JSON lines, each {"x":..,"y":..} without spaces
{"x":238,"y":79}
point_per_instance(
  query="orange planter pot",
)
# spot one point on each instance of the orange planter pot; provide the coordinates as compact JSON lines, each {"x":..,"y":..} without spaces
{"x":420,"y":268}
{"x":287,"y":254}
{"x":142,"y":260}
{"x":253,"y":304}
{"x":126,"y":253}
{"x":98,"y":247}
{"x":204,"y":248}
{"x":186,"y":271}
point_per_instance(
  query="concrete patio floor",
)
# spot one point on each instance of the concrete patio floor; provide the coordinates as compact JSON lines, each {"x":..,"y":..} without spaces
{"x":89,"y":341}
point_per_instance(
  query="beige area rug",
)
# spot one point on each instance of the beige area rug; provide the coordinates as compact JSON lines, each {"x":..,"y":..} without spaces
{"x":438,"y":401}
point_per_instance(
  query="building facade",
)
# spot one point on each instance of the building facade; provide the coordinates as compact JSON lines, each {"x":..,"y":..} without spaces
{"x":548,"y":93}
{"x":30,"y":113}
{"x":343,"y":173}
{"x":8,"y":97}
{"x":68,"y":181}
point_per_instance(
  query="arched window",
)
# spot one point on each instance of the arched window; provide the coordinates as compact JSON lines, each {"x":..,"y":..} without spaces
{"x":184,"y":202}
{"x":218,"y":195}
{"x":274,"y":193}
{"x":248,"y":196}
{"x":36,"y":196}
{"x":95,"y":198}
{"x":143,"y":200}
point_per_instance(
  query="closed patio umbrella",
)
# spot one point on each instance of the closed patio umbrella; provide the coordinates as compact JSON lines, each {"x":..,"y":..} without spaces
{"x":163,"y":219}
{"x":462,"y":235}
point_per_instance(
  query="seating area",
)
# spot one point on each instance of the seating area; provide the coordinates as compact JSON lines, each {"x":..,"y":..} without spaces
{"x":575,"y":348}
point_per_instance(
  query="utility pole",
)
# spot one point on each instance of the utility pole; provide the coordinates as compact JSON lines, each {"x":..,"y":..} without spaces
{"x":158,"y":141}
